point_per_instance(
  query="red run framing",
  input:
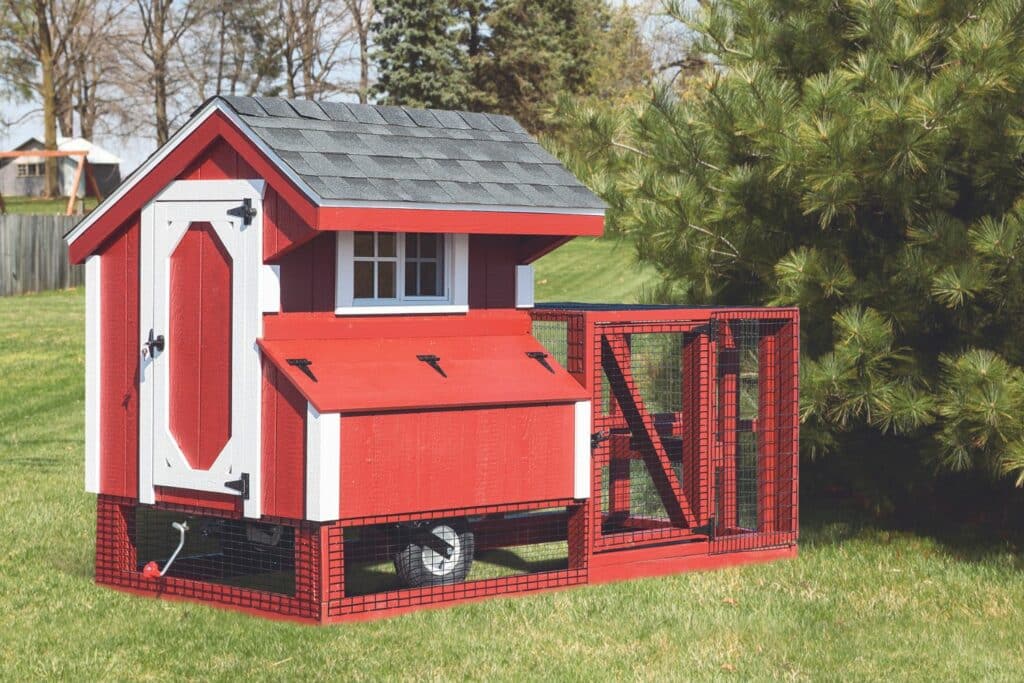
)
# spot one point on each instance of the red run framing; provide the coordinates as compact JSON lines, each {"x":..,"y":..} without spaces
{"x":694,"y":466}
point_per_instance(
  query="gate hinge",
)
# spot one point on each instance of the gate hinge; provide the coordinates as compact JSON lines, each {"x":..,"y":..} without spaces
{"x":241,"y":485}
{"x":597,"y":438}
{"x":707,"y":529}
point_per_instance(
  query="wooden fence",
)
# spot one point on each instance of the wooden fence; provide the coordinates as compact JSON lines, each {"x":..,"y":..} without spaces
{"x":33,"y":256}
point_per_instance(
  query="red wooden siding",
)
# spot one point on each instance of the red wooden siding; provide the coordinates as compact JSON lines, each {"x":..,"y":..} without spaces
{"x":401,"y":462}
{"x":492,"y":271}
{"x":119,"y":365}
{"x":199,"y":345}
{"x":284,"y":447}
{"x":307,"y":276}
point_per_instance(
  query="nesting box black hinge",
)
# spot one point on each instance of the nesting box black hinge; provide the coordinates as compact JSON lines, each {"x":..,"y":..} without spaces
{"x":303,"y":365}
{"x":241,"y":485}
{"x":541,"y":358}
{"x":433,"y":361}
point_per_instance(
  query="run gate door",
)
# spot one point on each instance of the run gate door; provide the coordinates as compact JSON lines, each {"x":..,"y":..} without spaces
{"x":201,"y":261}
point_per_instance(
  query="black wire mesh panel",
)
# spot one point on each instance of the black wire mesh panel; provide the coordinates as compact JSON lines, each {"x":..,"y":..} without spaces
{"x":229,"y":552}
{"x":448,"y":552}
{"x":755,"y":454}
{"x":554,"y":336}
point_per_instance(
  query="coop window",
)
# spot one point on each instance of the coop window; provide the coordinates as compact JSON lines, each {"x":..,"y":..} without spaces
{"x":387,"y":272}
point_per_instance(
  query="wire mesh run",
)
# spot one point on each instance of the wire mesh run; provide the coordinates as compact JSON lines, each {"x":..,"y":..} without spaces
{"x":228,"y":552}
{"x":447,"y":553}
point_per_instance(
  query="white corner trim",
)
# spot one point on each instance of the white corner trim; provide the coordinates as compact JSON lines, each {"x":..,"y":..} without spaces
{"x":581,"y":455}
{"x":456,"y":272}
{"x":524,"y":287}
{"x":93,"y":364}
{"x":270,"y":289}
{"x":323,"y":465}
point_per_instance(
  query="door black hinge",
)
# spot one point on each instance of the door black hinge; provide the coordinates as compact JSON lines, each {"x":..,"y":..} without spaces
{"x":241,"y":485}
{"x":597,"y":438}
{"x":246,"y":212}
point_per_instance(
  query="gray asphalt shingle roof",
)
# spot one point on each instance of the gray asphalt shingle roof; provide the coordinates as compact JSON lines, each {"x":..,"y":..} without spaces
{"x":361,"y":152}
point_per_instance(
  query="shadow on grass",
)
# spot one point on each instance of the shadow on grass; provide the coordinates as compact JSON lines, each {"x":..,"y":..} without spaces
{"x":828,"y":523}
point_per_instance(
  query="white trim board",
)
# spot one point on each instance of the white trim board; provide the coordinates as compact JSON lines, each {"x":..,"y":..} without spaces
{"x":456,"y":282}
{"x":323,"y":465}
{"x":93,"y":366}
{"x":217,"y":105}
{"x":581,"y":450}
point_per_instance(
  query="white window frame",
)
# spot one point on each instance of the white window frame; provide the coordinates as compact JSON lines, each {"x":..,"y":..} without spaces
{"x":456,"y":280}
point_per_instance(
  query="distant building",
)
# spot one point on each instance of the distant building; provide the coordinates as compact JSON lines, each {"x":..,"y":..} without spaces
{"x":25,"y":176}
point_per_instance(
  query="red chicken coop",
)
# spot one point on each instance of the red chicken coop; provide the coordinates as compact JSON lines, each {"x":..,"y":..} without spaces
{"x":318,"y":387}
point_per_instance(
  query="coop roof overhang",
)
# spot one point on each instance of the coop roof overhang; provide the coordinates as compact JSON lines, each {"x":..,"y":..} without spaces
{"x":378,"y":373}
{"x":318,"y":180}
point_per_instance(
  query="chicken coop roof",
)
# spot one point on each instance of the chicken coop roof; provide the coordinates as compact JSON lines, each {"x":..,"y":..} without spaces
{"x":362,"y":152}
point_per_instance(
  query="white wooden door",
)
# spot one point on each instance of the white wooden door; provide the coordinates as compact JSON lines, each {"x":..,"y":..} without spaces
{"x":201,"y":252}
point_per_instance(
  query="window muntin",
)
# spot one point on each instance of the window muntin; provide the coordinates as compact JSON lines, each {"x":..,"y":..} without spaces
{"x":399,"y":267}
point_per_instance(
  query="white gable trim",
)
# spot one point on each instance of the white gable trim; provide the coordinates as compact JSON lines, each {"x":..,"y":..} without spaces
{"x":216,"y":105}
{"x":323,"y":465}
{"x":93,"y":363}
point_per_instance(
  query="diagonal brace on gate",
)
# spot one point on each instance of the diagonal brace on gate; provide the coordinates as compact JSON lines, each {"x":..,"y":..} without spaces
{"x":615,"y":362}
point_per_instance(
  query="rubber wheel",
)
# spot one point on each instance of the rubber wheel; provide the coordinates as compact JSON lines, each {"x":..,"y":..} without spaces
{"x":419,"y":566}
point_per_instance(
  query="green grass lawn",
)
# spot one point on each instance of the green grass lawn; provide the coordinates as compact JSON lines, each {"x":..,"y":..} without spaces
{"x":858,"y":604}
{"x":592,"y":270}
{"x":37,"y":205}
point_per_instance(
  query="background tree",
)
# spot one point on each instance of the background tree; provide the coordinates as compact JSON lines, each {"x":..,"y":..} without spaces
{"x":419,"y":61}
{"x":161,"y":27}
{"x":36,"y":39}
{"x":863,"y":161}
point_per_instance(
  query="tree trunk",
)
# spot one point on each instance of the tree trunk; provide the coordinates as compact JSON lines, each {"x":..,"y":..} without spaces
{"x":48,"y":94}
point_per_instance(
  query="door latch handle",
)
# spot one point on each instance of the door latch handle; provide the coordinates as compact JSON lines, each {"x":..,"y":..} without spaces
{"x":153,"y":345}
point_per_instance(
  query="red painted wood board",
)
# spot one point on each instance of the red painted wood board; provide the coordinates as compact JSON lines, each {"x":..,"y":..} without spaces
{"x":395,"y":463}
{"x":360,"y":375}
{"x":119,"y":362}
{"x":283,"y":447}
{"x":199,"y":342}
{"x":492,"y":322}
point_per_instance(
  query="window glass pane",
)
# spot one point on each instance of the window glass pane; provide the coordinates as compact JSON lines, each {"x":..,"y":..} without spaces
{"x":412,"y":245}
{"x":429,"y":282}
{"x":386,"y":244}
{"x":363,"y":285}
{"x":364,"y":244}
{"x":410,"y":279}
{"x":386,"y":280}
{"x":429,"y":245}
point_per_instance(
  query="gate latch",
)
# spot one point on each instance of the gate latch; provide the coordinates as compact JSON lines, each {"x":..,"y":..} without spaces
{"x":246,"y":212}
{"x":241,"y":485}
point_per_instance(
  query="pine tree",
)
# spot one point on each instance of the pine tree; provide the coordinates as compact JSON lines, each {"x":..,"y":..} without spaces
{"x":419,"y":61}
{"x":862,"y":160}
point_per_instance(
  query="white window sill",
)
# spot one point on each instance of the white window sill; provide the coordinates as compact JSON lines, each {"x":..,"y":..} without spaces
{"x":405,"y":309}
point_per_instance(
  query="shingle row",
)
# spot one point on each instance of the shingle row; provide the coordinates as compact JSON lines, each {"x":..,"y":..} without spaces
{"x":374,"y":153}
